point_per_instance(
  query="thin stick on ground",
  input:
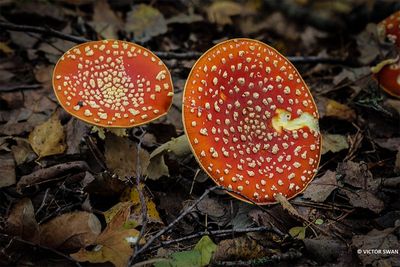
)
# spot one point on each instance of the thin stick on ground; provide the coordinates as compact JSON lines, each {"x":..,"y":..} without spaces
{"x":47,"y":31}
{"x":172,"y":224}
{"x":211,"y":233}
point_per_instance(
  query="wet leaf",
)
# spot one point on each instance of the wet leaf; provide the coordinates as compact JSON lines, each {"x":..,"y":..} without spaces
{"x":333,"y":143}
{"x":48,"y":138}
{"x":121,"y":157}
{"x":70,"y":231}
{"x":145,"y":22}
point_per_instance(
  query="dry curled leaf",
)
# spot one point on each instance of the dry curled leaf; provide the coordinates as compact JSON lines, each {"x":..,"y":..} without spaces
{"x":48,"y":138}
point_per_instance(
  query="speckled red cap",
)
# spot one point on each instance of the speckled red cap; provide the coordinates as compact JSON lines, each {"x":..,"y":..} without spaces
{"x":251,"y":121}
{"x":113,"y":83}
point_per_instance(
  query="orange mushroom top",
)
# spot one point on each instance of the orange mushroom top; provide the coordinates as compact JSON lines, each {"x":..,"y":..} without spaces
{"x":387,"y":73}
{"x":390,"y":28}
{"x":251,"y":121}
{"x":112,"y":83}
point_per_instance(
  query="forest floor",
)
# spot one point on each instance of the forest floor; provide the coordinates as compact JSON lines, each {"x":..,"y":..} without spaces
{"x":69,"y":194}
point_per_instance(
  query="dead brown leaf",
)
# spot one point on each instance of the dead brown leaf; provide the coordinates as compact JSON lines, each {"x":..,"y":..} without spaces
{"x":7,"y":167}
{"x":377,"y":240}
{"x":70,"y":231}
{"x":22,"y":151}
{"x":105,"y":22}
{"x":21,"y":221}
{"x":364,"y":199}
{"x":121,"y":156}
{"x":320,"y":189}
{"x":48,"y":138}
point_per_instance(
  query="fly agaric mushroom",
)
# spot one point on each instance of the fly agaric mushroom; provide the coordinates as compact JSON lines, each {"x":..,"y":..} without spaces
{"x":112,"y":83}
{"x":387,"y":73}
{"x":390,"y":28}
{"x":251,"y":121}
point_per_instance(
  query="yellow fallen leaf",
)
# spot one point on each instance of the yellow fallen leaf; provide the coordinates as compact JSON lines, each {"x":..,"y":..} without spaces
{"x":5,"y":48}
{"x":152,"y":213}
{"x":220,"y":12}
{"x":48,"y":138}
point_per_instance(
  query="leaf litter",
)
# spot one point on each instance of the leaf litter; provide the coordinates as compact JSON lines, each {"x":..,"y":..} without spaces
{"x":72,"y":190}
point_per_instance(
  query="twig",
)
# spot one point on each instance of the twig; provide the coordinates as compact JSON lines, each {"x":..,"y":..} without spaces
{"x":143,"y":206}
{"x":212,"y":233}
{"x":15,"y":238}
{"x":165,"y":55}
{"x":42,"y":30}
{"x":16,"y":87}
{"x":265,"y":261}
{"x":177,"y":219}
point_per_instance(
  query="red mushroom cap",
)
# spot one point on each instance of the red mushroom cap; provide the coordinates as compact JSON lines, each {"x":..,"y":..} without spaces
{"x":251,"y":121}
{"x":112,"y":83}
{"x":388,"y":78}
{"x":390,"y":28}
